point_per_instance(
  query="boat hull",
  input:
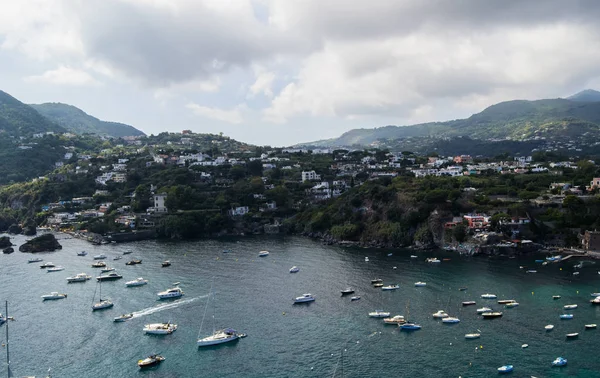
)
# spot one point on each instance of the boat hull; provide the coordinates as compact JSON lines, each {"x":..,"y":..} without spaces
{"x":208,"y":341}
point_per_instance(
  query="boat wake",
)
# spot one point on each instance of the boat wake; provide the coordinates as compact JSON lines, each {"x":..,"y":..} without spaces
{"x":166,"y":306}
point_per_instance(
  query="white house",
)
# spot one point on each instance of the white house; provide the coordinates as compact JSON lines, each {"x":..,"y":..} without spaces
{"x":310,"y":175}
{"x":159,"y":203}
{"x":241,"y":210}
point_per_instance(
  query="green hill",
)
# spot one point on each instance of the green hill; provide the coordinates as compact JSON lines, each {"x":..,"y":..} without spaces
{"x":79,"y":122}
{"x":588,"y":95}
{"x":18,"y":119}
{"x":551,"y":119}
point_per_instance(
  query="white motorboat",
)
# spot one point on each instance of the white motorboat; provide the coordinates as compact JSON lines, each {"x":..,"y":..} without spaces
{"x":531,"y":271}
{"x":488,"y":296}
{"x":376,"y":280}
{"x":347,"y":291}
{"x":511,"y":304}
{"x":55,"y":269}
{"x":524,"y":346}
{"x":433,"y":260}
{"x":483,"y":309}
{"x":263,"y":253}
{"x":54,"y":295}
{"x":107,"y":269}
{"x":160,"y":328}
{"x":79,"y":277}
{"x":595,"y":294}
{"x":304,"y":298}
{"x":469,"y":303}
{"x":413,"y":256}
{"x":566,"y":316}
{"x":556,"y":297}
{"x":396,"y":319}
{"x":220,"y":337}
{"x":595,"y":301}
{"x":82,"y":253}
{"x":440,"y":314}
{"x":109,"y":277}
{"x":491,"y":315}
{"x":391,"y":287}
{"x":559,"y":361}
{"x":294,"y":269}
{"x":355,"y":298}
{"x":100,"y":256}
{"x":420,"y":284}
{"x":575,"y":273}
{"x":123,"y":318}
{"x":505,"y":369}
{"x":366,"y":259}
{"x":47,"y":265}
{"x":379,"y":314}
{"x":572,"y":335}
{"x":34,"y":260}
{"x":570,"y":307}
{"x":170,"y":293}
{"x":151,"y":360}
{"x":450,"y":320}
{"x":590,"y":326}
{"x":137,"y":282}
{"x":472,"y":335}
{"x":505,"y":301}
{"x":549,"y":327}
{"x":99,"y":264}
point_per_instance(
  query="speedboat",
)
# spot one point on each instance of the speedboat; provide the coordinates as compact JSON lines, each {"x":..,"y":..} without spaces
{"x":101,"y":256}
{"x":107,"y":269}
{"x":511,"y":304}
{"x":433,"y":260}
{"x":590,"y":326}
{"x":556,"y":297}
{"x":34,"y":260}
{"x":347,"y":291}
{"x":505,"y":301}
{"x":413,"y":256}
{"x":47,"y":265}
{"x":166,"y":263}
{"x":304,"y":298}
{"x":379,"y":314}
{"x":354,"y":298}
{"x":391,"y":287}
{"x":133,"y":262}
{"x":440,"y":314}
{"x":559,"y":361}
{"x":79,"y":277}
{"x":450,"y":320}
{"x":468,"y":303}
{"x":488,"y":296}
{"x":54,"y":295}
{"x":505,"y":369}
{"x":137,"y":282}
{"x":160,"y":328}
{"x":123,"y":318}
{"x":483,"y":309}
{"x":396,"y":319}
{"x":55,"y":269}
{"x":99,"y":264}
{"x":472,"y":335}
{"x":376,"y":280}
{"x":170,"y":293}
{"x":566,"y":316}
{"x":595,"y":300}
{"x":220,"y":337}
{"x":263,"y":253}
{"x":151,"y":360}
{"x":549,"y":327}
{"x":525,"y":346}
{"x":420,"y":284}
{"x":103,"y":304}
{"x":572,"y":335}
{"x":294,"y":269}
{"x":491,"y":315}
{"x":570,"y":307}
{"x":409,"y":327}
{"x":109,"y":277}
{"x":82,"y":253}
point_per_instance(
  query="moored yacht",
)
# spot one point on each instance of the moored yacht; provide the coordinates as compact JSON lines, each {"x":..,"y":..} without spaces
{"x":483,"y":309}
{"x":505,"y":301}
{"x":34,"y":260}
{"x":566,"y":316}
{"x":420,"y":284}
{"x":472,"y":335}
{"x":468,"y":303}
{"x":304,"y":298}
{"x":170,"y":293}
{"x":572,"y":335}
{"x":595,"y":301}
{"x":511,"y":304}
{"x":505,"y":369}
{"x":82,"y":253}
{"x":160,"y":328}
{"x":391,"y":287}
{"x":263,"y":253}
{"x":151,"y":360}
{"x":220,"y":337}
{"x":103,"y":304}
{"x":379,"y":314}
{"x":491,"y":315}
{"x":133,"y":262}
{"x":556,"y":297}
{"x":570,"y":307}
{"x":549,"y":327}
{"x":294,"y":269}
{"x":396,"y":319}
{"x":166,"y":263}
{"x":137,"y":282}
{"x":55,"y":269}
{"x":376,"y":280}
{"x":590,"y":326}
{"x":440,"y":314}
{"x":433,"y":260}
{"x":347,"y":291}
{"x":409,"y":327}
{"x":99,"y":264}
{"x":79,"y":277}
{"x":109,"y":277}
{"x":54,"y":295}
{"x":107,"y":269}
{"x":450,"y":320}
{"x":559,"y":361}
{"x":488,"y":296}
{"x":47,"y":265}
{"x":101,"y":256}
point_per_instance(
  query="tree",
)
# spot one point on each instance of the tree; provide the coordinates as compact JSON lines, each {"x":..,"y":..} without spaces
{"x":460,"y":233}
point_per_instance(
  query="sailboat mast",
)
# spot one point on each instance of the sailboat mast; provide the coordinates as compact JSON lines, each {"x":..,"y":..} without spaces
{"x":7,"y":351}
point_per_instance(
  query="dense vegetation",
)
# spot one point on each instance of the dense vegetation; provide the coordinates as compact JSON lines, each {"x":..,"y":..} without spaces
{"x":18,"y":119}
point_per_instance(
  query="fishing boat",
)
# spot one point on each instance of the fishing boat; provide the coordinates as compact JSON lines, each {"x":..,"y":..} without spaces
{"x":505,"y":369}
{"x":491,"y":315}
{"x":263,"y":253}
{"x":54,"y":295}
{"x":468,"y":303}
{"x":396,"y":319}
{"x":175,"y":292}
{"x":391,"y":287}
{"x":160,"y":328}
{"x":55,"y":269}
{"x":379,"y":314}
{"x":549,"y":327}
{"x":137,"y":282}
{"x":102,"y":304}
{"x":572,"y":335}
{"x":559,"y":361}
{"x":420,"y":284}
{"x":34,"y":260}
{"x":99,"y":264}
{"x":220,"y":336}
{"x":304,"y":298}
{"x":166,"y":263}
{"x":294,"y":269}
{"x":566,"y":316}
{"x":79,"y":277}
{"x":570,"y":307}
{"x":152,"y":360}
{"x":450,"y":320}
{"x":472,"y":335}
{"x":440,"y":314}
{"x":483,"y":309}
{"x":590,"y":326}
{"x":123,"y":318}
{"x":488,"y":296}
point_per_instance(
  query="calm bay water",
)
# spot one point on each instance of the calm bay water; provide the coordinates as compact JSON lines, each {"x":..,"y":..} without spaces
{"x":254,"y":295}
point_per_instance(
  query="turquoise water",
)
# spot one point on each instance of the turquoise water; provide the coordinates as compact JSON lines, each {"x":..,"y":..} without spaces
{"x":254,"y":295}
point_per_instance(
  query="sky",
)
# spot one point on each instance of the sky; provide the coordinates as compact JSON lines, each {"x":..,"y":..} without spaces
{"x":280,"y":72}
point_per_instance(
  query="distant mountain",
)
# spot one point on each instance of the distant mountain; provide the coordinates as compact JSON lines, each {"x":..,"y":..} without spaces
{"x":511,"y":120}
{"x":588,"y":95}
{"x":19,"y":119}
{"x":79,"y":122}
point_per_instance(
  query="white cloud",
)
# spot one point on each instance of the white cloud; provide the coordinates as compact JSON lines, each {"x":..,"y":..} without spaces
{"x":233,"y":115}
{"x":64,"y":75}
{"x":263,"y":84}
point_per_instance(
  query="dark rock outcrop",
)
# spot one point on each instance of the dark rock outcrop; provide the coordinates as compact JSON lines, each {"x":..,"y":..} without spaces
{"x":15,"y":229}
{"x":5,"y":242}
{"x":43,"y":243}
{"x":8,"y":250}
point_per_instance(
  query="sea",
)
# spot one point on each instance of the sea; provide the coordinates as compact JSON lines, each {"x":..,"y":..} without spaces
{"x":330,"y":337}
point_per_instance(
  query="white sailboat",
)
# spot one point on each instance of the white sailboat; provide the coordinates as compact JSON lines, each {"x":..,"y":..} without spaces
{"x":218,"y":336}
{"x":102,"y":304}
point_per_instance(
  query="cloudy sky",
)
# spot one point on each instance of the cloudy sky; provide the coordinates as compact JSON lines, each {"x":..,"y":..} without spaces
{"x":284,"y":71}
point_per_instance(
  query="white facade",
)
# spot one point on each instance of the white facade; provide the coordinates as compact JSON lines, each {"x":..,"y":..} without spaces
{"x":310,"y":175}
{"x":159,"y":203}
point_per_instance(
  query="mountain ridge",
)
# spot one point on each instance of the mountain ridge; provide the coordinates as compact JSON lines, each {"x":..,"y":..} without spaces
{"x":18,"y":118}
